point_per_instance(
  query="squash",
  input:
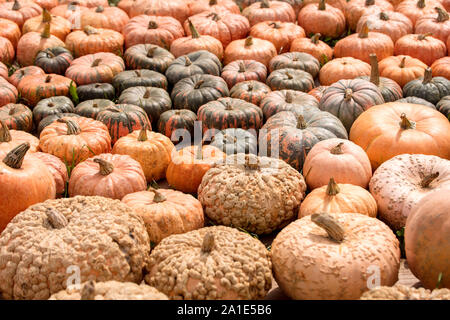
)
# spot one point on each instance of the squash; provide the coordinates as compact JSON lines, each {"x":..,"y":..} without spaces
{"x":7,"y":51}
{"x":428,"y":87}
{"x":138,"y":78}
{"x":71,"y":11}
{"x":222,"y":6}
{"x":281,"y":34}
{"x":176,"y":8}
{"x":173,"y":122}
{"x":295,"y":60}
{"x":91,"y":108}
{"x":393,"y":24}
{"x":355,"y":9}
{"x":318,"y":92}
{"x":416,"y":9}
{"x":233,"y":141}
{"x":92,"y":40}
{"x":421,"y":46}
{"x":250,"y":49}
{"x":21,"y":73}
{"x":17,"y":116}
{"x":9,"y":139}
{"x":401,"y":69}
{"x":416,"y":100}
{"x":19,"y":11}
{"x":269,"y":11}
{"x":35,"y":88}
{"x":58,"y":170}
{"x":52,"y":105}
{"x":441,"y":68}
{"x":251,"y":91}
{"x":105,"y":17}
{"x":436,"y":24}
{"x":59,"y":27}
{"x":50,"y":119}
{"x":10,"y":30}
{"x":244,"y":70}
{"x":289,"y":78}
{"x":94,"y":91}
{"x":343,"y":68}
{"x":8,"y":93}
{"x":315,"y":47}
{"x":443,"y":106}
{"x":54,"y":60}
{"x":148,"y":56}
{"x":322,"y":18}
{"x":402,"y":292}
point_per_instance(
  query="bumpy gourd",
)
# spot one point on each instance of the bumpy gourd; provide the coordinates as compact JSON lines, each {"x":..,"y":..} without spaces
{"x":401,"y":292}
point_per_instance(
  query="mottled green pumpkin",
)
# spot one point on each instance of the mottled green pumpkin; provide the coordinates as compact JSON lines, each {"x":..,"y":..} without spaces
{"x":171,"y":120}
{"x":52,"y":105}
{"x":416,"y":100}
{"x":296,"y":60}
{"x":428,"y":87}
{"x":443,"y":106}
{"x":148,"y":56}
{"x":139,"y":78}
{"x":289,"y":78}
{"x":96,"y":91}
{"x":50,"y":119}
{"x":91,"y":108}
{"x":17,"y":116}
{"x":251,"y":91}
{"x":235,"y":140}
{"x":54,"y":60}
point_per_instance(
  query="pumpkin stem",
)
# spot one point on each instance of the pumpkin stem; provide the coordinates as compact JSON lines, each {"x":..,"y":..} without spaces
{"x":16,"y":6}
{"x":228,"y":106}
{"x":265,"y":4}
{"x":423,"y":36}
{"x":405,"y":123}
{"x":106,"y":167}
{"x":208,"y":242}
{"x":72,"y":6}
{"x":289,"y":97}
{"x":364,"y":33}
{"x":322,"y":5}
{"x":95,"y":106}
{"x":151,"y":52}
{"x":275,"y":25}
{"x":374,"y":72}
{"x":188,"y":61}
{"x":315,"y":38}
{"x":46,"y":16}
{"x":212,"y":3}
{"x":143,"y":134}
{"x":427,"y":76}
{"x":289,"y":75}
{"x":215,"y":16}
{"x":96,"y":63}
{"x":12,"y":111}
{"x":402,"y":63}
{"x":442,"y":15}
{"x":88,"y":291}
{"x":90,"y":30}
{"x":241,"y":66}
{"x":158,"y":196}
{"x":369,"y":3}
{"x":56,"y":219}
{"x":137,"y":73}
{"x":48,"y":79}
{"x":428,"y":179}
{"x":251,"y":166}
{"x":248,"y":41}
{"x":332,"y":188}
{"x":384,"y":16}
{"x":49,"y":54}
{"x":14,"y":158}
{"x":5,"y":135}
{"x":250,"y":87}
{"x":147,"y":93}
{"x":199,"y":153}
{"x":337,"y":149}
{"x":198,"y":84}
{"x":152,"y":25}
{"x":194,"y":31}
{"x":421,"y":4}
{"x":348,"y":94}
{"x":301,"y":123}
{"x":100,"y":9}
{"x":46,"y":32}
{"x":327,"y":222}
{"x":72,"y":126}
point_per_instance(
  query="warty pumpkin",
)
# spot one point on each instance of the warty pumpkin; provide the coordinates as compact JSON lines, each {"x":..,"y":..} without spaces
{"x":415,"y":9}
{"x":269,"y":11}
{"x":315,"y":47}
{"x":10,"y":30}
{"x":9,"y":139}
{"x":19,"y":11}
{"x":280,"y":33}
{"x":402,"y":292}
{"x":58,"y":170}
{"x":52,"y":105}
{"x":8,"y":93}
{"x":428,"y":87}
{"x":251,"y":91}
{"x":244,"y":70}
{"x":421,"y":46}
{"x":148,"y":56}
{"x":17,"y":116}
{"x":54,"y":60}
{"x":59,"y":27}
{"x":343,"y":68}
{"x":322,"y":18}
{"x":393,"y":24}
{"x":171,"y":120}
{"x":138,"y":78}
{"x":401,"y":69}
{"x":104,"y":17}
{"x":35,"y":88}
{"x":355,"y":9}
{"x":437,"y":24}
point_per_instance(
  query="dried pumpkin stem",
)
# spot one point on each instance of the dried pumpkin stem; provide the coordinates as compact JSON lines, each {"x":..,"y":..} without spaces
{"x":402,"y":63}
{"x":427,"y":180}
{"x":12,"y":111}
{"x":188,"y":61}
{"x":56,"y":219}
{"x":241,"y":67}
{"x":250,"y":87}
{"x":215,"y":16}
{"x":289,"y":97}
{"x":208,"y":242}
{"x":46,"y":16}
{"x":275,"y":25}
{"x":88,"y":291}
{"x":46,"y":32}
{"x":364,"y":33}
{"x":152,"y":25}
{"x":72,"y":6}
{"x":301,"y":123}
{"x":442,"y":15}
{"x":327,"y":222}
{"x":48,"y":79}
{"x":147,"y":93}
{"x":424,"y":36}
{"x":265,"y":4}
{"x":158,"y":197}
{"x":289,"y":75}
{"x":100,"y":9}
{"x":248,"y":41}
{"x":322,"y":6}
{"x":106,"y":167}
{"x":384,"y":16}
{"x":369,"y":3}
{"x":5,"y":135}
{"x":199,"y":84}
{"x":421,"y":4}
{"x":212,"y":2}
{"x":315,"y":38}
{"x":90,"y":30}
{"x":72,"y":126}
{"x":405,"y":123}
{"x":348,"y":94}
{"x":332,"y":188}
{"x":143,"y":135}
{"x":228,"y":106}
{"x":337,"y":149}
{"x":16,"y":6}
{"x":251,"y":166}
{"x":14,"y":158}
{"x":96,"y":63}
{"x":194,"y":31}
{"x":374,"y":72}
{"x":427,"y":76}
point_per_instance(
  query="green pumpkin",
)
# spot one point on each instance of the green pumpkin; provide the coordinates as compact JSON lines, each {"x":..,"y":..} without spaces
{"x":289,"y":78}
{"x":296,"y":60}
{"x":50,"y":106}
{"x":96,"y":91}
{"x":91,"y":108}
{"x":148,"y":56}
{"x":428,"y":87}
{"x":139,"y":78}
{"x":443,"y":106}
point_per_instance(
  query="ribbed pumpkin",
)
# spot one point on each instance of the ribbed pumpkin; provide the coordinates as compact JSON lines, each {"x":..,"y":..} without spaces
{"x":105,"y":17}
{"x":52,"y":105}
{"x":17,"y":116}
{"x":58,"y":170}
{"x":160,"y":31}
{"x":401,"y":69}
{"x":174,"y":8}
{"x":54,"y":60}
{"x":428,"y":87}
{"x":390,"y":129}
{"x":296,"y":60}
{"x":136,"y":78}
{"x":123,"y":119}
{"x":10,"y":30}
{"x":93,"y":68}
{"x":443,"y":106}
{"x":8,"y":93}
{"x":35,"y":88}
{"x":417,"y":100}
{"x":59,"y":27}
{"x":235,"y":140}
{"x":96,"y":91}
{"x":441,"y":68}
{"x":286,"y":100}
{"x":315,"y":47}
{"x":172,"y":120}
{"x":295,"y":133}
{"x":73,"y":139}
{"x":244,"y":70}
{"x":250,"y":49}
{"x":269,"y":11}
{"x":91,"y":108}
{"x":322,"y":18}
{"x":392,"y":24}
{"x":221,"y":6}
{"x":251,"y":91}
{"x":288,"y":78}
{"x":151,"y":149}
{"x":415,"y":9}
{"x":148,"y":56}
{"x":92,"y":40}
{"x":47,"y":4}
{"x":436,"y":24}
{"x":355,"y":9}
{"x":71,"y":11}
{"x":9,"y":139}
{"x":421,"y":46}
{"x":7,"y":52}
{"x":50,"y":119}
{"x":318,"y":92}
{"x":281,"y":34}
{"x":19,"y":11}
{"x":339,"y":198}
{"x":343,"y":68}
{"x":87,"y":3}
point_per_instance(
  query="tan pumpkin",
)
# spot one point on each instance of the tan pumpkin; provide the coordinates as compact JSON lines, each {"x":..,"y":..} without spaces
{"x":437,"y":24}
{"x":343,"y":68}
{"x":112,"y":18}
{"x":9,"y":139}
{"x":174,"y":8}
{"x":415,"y":9}
{"x":250,"y":49}
{"x":404,"y":292}
{"x":269,"y":11}
{"x":355,"y":9}
{"x":393,"y":24}
{"x":441,"y":68}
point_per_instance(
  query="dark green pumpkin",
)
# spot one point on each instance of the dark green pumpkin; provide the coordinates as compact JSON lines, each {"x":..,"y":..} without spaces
{"x":295,"y":60}
{"x":139,"y":78}
{"x":96,"y":91}
{"x":148,"y":56}
{"x":428,"y":87}
{"x":193,"y":92}
{"x":50,"y":119}
{"x":416,"y":100}
{"x":291,"y":135}
{"x":197,"y":62}
{"x":17,"y":116}
{"x":235,"y":140}
{"x":347,"y":99}
{"x":171,"y":120}
{"x":251,"y":91}
{"x":54,"y":60}
{"x":443,"y":106}
{"x":286,"y":100}
{"x":91,"y":108}
{"x":154,"y":101}
{"x":52,"y":105}
{"x":288,"y":78}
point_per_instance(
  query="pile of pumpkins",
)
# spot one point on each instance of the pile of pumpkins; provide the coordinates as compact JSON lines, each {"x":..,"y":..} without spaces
{"x":323,"y":123}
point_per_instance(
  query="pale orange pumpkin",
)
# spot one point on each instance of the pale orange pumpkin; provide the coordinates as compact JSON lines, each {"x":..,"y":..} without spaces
{"x":7,"y":52}
{"x":105,"y":18}
{"x":59,"y":27}
{"x":401,"y":69}
{"x":10,"y":30}
{"x":322,"y":18}
{"x":393,"y":24}
{"x":281,"y":34}
{"x":421,"y":46}
{"x":415,"y":9}
{"x":269,"y":11}
{"x":355,"y":9}
{"x":441,"y":68}
{"x":437,"y":24}
{"x":250,"y":49}
{"x":315,"y":47}
{"x":343,"y":68}
{"x":177,"y":9}
{"x":58,"y":170}
{"x":9,"y":139}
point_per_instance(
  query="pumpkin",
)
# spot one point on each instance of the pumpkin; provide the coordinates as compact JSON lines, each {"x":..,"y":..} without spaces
{"x":269,"y":11}
{"x":441,"y":68}
{"x":47,"y":4}
{"x":198,"y":62}
{"x":4,"y":71}
{"x":157,"y":30}
{"x":401,"y":69}
{"x":172,"y":120}
{"x":32,"y":42}
{"x":308,"y":262}
{"x":416,"y":176}
{"x":9,"y":139}
{"x":423,"y":47}
{"x":415,"y":9}
{"x":88,"y":3}
{"x":126,"y":5}
{"x":148,"y":56}
{"x":195,"y":42}
{"x":54,"y":60}
{"x":341,"y":69}
{"x":71,"y":11}
{"x":389,"y":89}
{"x":176,"y":8}
{"x":428,"y":87}
{"x":136,"y":78}
{"x":290,"y":135}
{"x":195,"y":91}
{"x":107,"y":175}
{"x":154,"y":101}
{"x":340,"y":4}
{"x":355,"y":9}
{"x":17,"y":117}
{"x":88,"y":229}
{"x":105,"y":17}
{"x":296,"y":4}
{"x":52,"y":105}
{"x":6,"y":51}
{"x":318,"y":92}
{"x":244,"y":70}
{"x":59,"y":27}
{"x":295,"y":60}
{"x":10,"y":30}
{"x":281,"y":34}
{"x":52,"y":118}
{"x":322,"y":18}
{"x":443,"y":106}
{"x":255,"y":204}
{"x":8,"y":93}
{"x":92,"y":40}
{"x":405,"y":128}
{"x":315,"y":47}
{"x":251,"y":91}
{"x":25,"y":181}
{"x":402,"y":292}
{"x":250,"y":49}
{"x":225,"y":27}
{"x":96,"y":91}
{"x":93,"y":68}
{"x":339,"y":198}
{"x":233,"y":141}
{"x":58,"y":170}
{"x":151,"y":149}
{"x":19,"y":11}
{"x":123,"y":119}
{"x":360,"y":45}
{"x":170,"y":269}
{"x":74,"y":139}
{"x":392,"y":24}
{"x":286,"y":100}
{"x":289,"y":78}
{"x":342,"y":160}
{"x":426,"y":244}
{"x":438,"y":25}
{"x":35,"y":88}
{"x":91,"y":108}
{"x":221,"y":6}
{"x":416,"y":100}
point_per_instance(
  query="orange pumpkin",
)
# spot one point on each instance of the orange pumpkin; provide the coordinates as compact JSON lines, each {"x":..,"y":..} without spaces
{"x":104,"y":18}
{"x":59,"y":27}
{"x":222,"y":6}
{"x":343,"y":68}
{"x":9,"y":139}
{"x":47,"y":4}
{"x":401,"y":69}
{"x":10,"y":30}
{"x":71,"y":11}
{"x":21,"y":73}
{"x":421,"y":46}
{"x":322,"y":18}
{"x":57,"y":168}
{"x":315,"y":47}
{"x":392,"y":24}
{"x":269,"y":11}
{"x":8,"y":93}
{"x":281,"y":34}
{"x":437,"y":24}
{"x":441,"y":68}
{"x":38,"y":87}
{"x":173,"y":8}
{"x":19,"y":11}
{"x":415,"y":9}
{"x":16,"y":116}
{"x":3,"y":71}
{"x":250,"y":49}
{"x":7,"y":52}
{"x":355,"y":9}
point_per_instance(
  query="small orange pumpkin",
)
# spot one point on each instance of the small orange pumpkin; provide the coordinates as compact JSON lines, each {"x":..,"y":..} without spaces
{"x":343,"y":68}
{"x":250,"y":49}
{"x":9,"y":139}
{"x":315,"y":47}
{"x":59,"y":26}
